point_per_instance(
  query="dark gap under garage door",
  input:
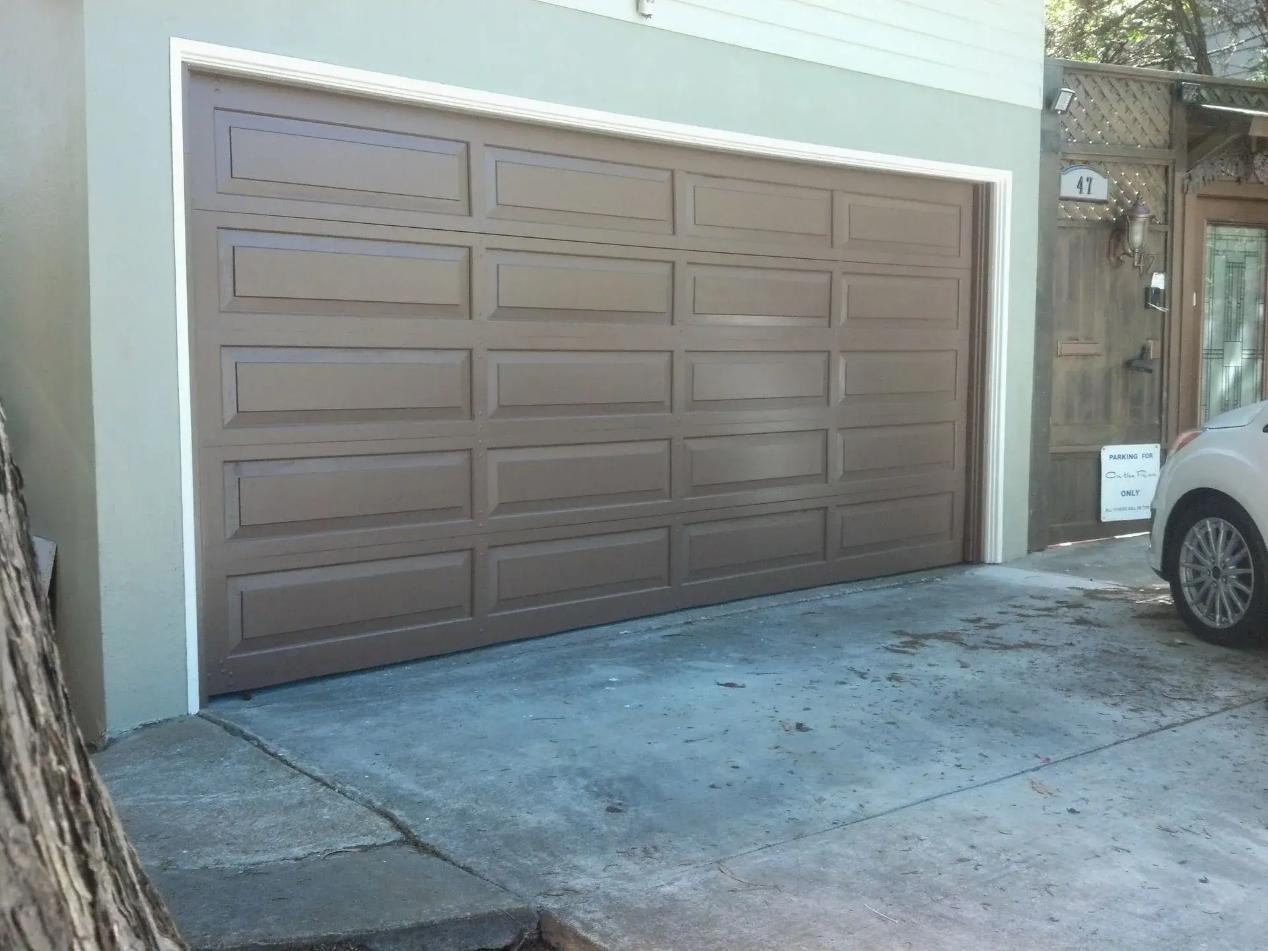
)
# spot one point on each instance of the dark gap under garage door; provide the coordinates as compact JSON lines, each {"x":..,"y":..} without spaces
{"x":460,"y":380}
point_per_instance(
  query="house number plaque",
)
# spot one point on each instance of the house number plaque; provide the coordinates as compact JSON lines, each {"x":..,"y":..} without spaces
{"x":1083,"y":183}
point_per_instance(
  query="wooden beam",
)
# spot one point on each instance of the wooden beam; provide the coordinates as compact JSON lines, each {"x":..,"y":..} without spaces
{"x":1173,"y":336}
{"x":1050,"y":158}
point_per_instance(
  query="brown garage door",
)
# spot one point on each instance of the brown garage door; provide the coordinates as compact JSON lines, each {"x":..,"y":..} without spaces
{"x":460,"y":380}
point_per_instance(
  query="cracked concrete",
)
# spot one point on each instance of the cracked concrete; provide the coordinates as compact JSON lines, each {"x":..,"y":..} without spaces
{"x":251,"y":808}
{"x":251,"y":852}
{"x":1036,"y":754}
{"x":381,"y":897}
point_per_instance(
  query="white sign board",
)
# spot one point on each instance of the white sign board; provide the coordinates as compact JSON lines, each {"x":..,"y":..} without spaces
{"x":1129,"y":475}
{"x":1083,"y":183}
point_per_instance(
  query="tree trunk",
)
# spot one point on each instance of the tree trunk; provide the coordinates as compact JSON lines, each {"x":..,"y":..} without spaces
{"x":69,"y":878}
{"x":1192,"y":30}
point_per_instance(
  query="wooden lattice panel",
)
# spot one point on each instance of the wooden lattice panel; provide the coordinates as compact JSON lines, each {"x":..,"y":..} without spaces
{"x":1127,"y":180}
{"x":1240,"y":97}
{"x":1117,"y":111}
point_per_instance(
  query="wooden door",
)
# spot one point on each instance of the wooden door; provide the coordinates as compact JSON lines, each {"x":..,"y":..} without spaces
{"x":1103,"y":393}
{"x":1223,"y":324}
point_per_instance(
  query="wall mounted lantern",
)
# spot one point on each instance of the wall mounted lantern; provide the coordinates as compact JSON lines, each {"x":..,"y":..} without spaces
{"x":1131,"y":236}
{"x":1062,"y":100}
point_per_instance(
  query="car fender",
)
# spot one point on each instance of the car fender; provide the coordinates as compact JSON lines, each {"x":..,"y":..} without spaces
{"x":1226,"y":468}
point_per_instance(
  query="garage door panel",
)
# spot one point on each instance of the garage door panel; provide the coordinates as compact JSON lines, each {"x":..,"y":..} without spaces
{"x":297,"y":386}
{"x":921,"y":188}
{"x":718,"y":464}
{"x":871,"y":453}
{"x":333,"y":332}
{"x":881,"y":339}
{"x":724,"y":548}
{"x":577,"y":514}
{"x":324,"y":494}
{"x":265,"y":272}
{"x":899,"y":226}
{"x":885,"y":562}
{"x":871,"y":227}
{"x":899,"y":374}
{"x":624,"y":583}
{"x":564,"y":189}
{"x":906,"y":302}
{"x":337,"y":600}
{"x":755,"y":211}
{"x":904,"y":219}
{"x":577,"y":288}
{"x":560,"y":184}
{"x":897,"y":413}
{"x":592,"y":476}
{"x":747,"y":296}
{"x":272,"y":156}
{"x":565,"y":570}
{"x":546,"y":430}
{"x":756,"y":380}
{"x":549,"y":383}
{"x":461,"y":380}
{"x":896,"y":524}
{"x":276,"y":664}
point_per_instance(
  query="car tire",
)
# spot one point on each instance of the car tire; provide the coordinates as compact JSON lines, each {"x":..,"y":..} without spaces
{"x":1214,"y":553}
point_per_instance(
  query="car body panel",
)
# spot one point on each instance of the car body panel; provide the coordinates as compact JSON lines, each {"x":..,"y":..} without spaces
{"x":1236,"y":418}
{"x":1230,"y":457}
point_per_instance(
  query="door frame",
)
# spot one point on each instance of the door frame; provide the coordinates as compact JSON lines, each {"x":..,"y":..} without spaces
{"x":1232,"y":205}
{"x":984,"y":533}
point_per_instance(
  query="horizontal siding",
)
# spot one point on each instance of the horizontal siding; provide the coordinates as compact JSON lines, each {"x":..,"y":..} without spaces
{"x":987,"y":48}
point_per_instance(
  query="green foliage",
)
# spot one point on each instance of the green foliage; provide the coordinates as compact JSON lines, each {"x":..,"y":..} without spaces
{"x":1198,"y":36}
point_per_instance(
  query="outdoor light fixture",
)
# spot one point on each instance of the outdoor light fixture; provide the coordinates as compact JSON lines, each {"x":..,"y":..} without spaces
{"x":1131,"y":235}
{"x":1062,"y":100}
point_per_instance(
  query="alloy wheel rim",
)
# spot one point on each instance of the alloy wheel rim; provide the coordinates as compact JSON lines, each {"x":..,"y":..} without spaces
{"x":1217,"y":572}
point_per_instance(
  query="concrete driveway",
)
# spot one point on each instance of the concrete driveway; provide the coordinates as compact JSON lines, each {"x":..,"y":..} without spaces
{"x":1035,"y":755}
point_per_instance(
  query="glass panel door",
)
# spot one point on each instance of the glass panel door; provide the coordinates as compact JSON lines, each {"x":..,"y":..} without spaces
{"x":1232,"y":373}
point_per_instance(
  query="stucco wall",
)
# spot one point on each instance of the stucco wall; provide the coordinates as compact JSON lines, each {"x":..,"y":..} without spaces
{"x":45,"y":381}
{"x":512,"y":46}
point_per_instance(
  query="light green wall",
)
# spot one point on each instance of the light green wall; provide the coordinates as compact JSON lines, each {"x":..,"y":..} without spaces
{"x":511,"y":46}
{"x":45,"y":384}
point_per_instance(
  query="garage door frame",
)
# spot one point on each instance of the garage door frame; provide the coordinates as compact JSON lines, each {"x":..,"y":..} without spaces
{"x":986,"y":473}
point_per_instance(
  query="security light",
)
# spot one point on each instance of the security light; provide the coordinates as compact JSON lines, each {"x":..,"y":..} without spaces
{"x":1061,"y":102}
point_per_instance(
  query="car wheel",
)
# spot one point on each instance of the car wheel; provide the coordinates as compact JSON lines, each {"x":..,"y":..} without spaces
{"x":1219,"y":573}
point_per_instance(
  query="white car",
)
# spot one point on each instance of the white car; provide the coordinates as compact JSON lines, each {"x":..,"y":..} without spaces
{"x":1210,"y":515}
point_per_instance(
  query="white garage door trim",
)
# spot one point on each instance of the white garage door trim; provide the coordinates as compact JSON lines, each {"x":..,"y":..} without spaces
{"x":312,"y":74}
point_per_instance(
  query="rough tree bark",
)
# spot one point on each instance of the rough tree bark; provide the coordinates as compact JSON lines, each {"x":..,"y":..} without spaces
{"x":69,"y":878}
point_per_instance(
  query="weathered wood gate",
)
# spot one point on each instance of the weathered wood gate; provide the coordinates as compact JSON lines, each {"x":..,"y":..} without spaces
{"x":1092,"y":318}
{"x":1109,"y":367}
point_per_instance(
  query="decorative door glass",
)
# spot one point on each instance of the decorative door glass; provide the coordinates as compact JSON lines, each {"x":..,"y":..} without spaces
{"x":1233,"y":322}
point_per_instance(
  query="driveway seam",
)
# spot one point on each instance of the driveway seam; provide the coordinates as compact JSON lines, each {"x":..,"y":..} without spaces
{"x":837,"y":827}
{"x":355,"y":796}
{"x":256,"y":864}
